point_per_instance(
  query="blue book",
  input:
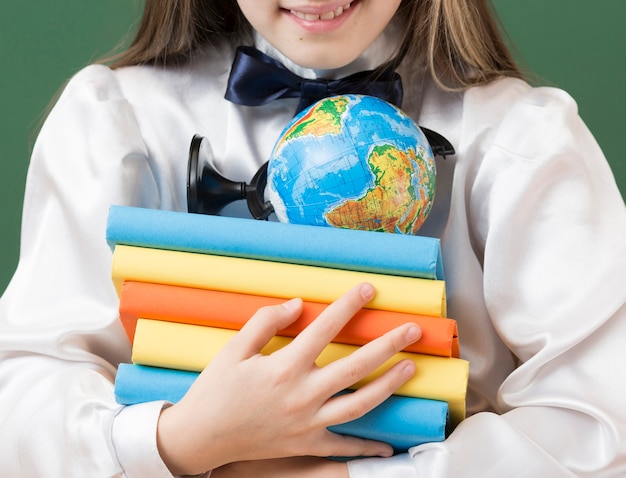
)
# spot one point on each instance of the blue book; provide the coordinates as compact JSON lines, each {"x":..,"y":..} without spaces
{"x":139,"y":383}
{"x":400,"y":421}
{"x":364,"y":251}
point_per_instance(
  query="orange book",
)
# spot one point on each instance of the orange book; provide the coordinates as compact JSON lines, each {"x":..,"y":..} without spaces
{"x":231,"y":310}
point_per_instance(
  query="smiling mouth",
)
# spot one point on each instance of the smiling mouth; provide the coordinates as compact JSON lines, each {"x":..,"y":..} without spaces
{"x":311,"y":17}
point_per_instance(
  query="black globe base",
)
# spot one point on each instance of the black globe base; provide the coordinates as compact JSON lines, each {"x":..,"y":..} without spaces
{"x":208,"y":192}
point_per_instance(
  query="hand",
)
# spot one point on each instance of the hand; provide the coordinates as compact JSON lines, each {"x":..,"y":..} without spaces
{"x":247,"y":406}
{"x":302,"y":467}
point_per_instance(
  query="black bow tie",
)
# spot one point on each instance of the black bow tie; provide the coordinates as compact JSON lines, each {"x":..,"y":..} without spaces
{"x":256,"y":79}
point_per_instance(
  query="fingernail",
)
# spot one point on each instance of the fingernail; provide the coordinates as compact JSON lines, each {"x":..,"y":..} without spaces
{"x":293,"y":304}
{"x":413,"y":333}
{"x":408,"y":370}
{"x":386,"y":453}
{"x":367,"y":291}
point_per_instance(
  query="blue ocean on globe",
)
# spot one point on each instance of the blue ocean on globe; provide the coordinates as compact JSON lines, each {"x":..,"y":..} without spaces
{"x":352,"y":161}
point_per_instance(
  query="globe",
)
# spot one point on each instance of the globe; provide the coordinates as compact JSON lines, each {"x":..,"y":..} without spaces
{"x":352,"y":161}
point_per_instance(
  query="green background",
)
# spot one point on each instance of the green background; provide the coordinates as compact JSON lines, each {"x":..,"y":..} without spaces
{"x":573,"y":44}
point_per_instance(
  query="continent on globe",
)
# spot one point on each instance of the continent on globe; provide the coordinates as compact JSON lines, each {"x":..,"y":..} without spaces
{"x":355,"y":162}
{"x":323,"y":118}
{"x":392,"y":205}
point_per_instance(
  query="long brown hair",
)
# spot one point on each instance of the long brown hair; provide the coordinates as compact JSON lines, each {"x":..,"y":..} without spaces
{"x":460,"y":40}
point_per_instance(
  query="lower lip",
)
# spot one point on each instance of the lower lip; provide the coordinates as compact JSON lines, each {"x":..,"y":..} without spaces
{"x":324,"y":26}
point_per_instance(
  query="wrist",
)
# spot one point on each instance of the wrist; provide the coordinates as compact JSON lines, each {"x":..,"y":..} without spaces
{"x":176,"y":448}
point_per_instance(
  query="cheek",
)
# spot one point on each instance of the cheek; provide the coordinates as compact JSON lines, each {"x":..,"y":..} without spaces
{"x":380,"y":12}
{"x":258,"y":12}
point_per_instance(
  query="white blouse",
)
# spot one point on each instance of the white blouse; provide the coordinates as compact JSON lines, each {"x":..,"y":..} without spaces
{"x":533,"y":233}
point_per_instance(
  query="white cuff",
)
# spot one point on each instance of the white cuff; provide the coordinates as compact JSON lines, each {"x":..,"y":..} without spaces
{"x":134,"y":439}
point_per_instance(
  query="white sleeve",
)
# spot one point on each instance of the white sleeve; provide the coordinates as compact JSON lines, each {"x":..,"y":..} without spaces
{"x":60,"y":340}
{"x":548,"y":226}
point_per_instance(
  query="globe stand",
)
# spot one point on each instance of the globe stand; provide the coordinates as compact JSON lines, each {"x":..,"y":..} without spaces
{"x":208,"y":192}
{"x":440,"y":145}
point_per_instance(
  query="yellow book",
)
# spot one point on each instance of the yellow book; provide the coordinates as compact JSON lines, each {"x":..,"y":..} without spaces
{"x":274,"y":279}
{"x":192,"y":347}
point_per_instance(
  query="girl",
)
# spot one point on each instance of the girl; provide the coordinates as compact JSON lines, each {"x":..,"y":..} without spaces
{"x":530,"y":220}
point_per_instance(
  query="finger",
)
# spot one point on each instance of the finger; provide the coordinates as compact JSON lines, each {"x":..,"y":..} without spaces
{"x":311,"y":341}
{"x":346,"y":407}
{"x":338,"y":445}
{"x":346,"y":371}
{"x":261,"y":327}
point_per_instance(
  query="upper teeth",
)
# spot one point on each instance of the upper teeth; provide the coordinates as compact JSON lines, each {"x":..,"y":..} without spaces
{"x":310,"y":17}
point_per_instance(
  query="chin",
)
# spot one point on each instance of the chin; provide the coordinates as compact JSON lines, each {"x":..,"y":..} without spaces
{"x":320,"y":61}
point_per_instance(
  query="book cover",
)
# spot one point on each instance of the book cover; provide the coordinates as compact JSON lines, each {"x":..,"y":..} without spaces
{"x":400,"y":421}
{"x":140,"y":383}
{"x":366,"y":251}
{"x":231,"y":310}
{"x":274,"y":279}
{"x":192,"y":347}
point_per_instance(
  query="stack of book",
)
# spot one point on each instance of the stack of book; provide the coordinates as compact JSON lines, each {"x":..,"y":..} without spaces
{"x":188,"y":282}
